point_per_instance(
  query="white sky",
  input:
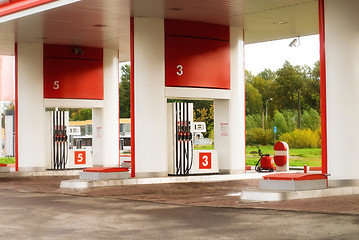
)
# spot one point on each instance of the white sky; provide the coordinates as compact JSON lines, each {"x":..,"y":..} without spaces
{"x":273,"y":54}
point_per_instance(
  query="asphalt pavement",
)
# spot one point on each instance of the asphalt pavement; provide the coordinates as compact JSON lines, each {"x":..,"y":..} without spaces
{"x":36,"y":208}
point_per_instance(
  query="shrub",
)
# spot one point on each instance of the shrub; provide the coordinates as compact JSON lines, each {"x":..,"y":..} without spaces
{"x":291,"y":117}
{"x":211,"y":135}
{"x":253,"y":121}
{"x":280,"y":122}
{"x":318,"y":133}
{"x":302,"y":138}
{"x":311,"y":119}
{"x":258,"y":136}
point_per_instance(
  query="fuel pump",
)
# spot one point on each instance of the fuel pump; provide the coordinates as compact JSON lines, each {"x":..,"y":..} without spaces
{"x":182,"y":120}
{"x":60,"y":144}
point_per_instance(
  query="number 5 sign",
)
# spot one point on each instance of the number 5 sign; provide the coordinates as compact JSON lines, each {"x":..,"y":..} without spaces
{"x":205,"y":160}
{"x":80,"y":157}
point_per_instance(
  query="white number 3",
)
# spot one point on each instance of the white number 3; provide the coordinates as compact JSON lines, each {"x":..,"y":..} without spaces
{"x":205,"y":162}
{"x":180,"y":70}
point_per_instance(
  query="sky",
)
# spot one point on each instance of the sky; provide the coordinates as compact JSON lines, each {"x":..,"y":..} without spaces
{"x":273,"y":54}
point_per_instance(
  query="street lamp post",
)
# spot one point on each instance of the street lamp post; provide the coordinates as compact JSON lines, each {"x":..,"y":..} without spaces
{"x":298,"y":109}
{"x":267,"y":108}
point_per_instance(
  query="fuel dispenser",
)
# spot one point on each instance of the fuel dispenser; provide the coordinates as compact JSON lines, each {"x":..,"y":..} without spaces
{"x":180,"y":154}
{"x":182,"y":159}
{"x":64,"y":148}
{"x":60,"y":143}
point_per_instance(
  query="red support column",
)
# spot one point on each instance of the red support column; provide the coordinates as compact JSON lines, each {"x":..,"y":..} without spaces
{"x":119,"y":119}
{"x":244,"y":89}
{"x":133,"y":172}
{"x":323,"y":90}
{"x":16,"y":112}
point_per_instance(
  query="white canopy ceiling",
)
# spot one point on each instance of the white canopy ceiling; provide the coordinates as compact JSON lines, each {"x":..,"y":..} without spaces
{"x":105,"y":23}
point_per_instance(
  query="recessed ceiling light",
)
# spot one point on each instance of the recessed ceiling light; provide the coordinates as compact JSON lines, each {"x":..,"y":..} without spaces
{"x":175,"y":9}
{"x":280,"y":22}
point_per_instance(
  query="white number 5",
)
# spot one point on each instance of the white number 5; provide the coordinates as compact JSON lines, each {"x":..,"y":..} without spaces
{"x":80,"y":157}
{"x":180,"y":70}
{"x":56,"y":85}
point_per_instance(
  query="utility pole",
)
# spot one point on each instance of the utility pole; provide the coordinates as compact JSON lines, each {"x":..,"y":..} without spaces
{"x":267,"y":109}
{"x":298,"y":109}
{"x":263,"y":118}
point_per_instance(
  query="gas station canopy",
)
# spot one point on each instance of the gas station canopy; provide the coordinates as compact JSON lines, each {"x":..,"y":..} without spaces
{"x":106,"y":24}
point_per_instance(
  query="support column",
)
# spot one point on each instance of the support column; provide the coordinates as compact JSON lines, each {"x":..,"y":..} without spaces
{"x":342,"y":87}
{"x":150,"y":101}
{"x":237,"y":111}
{"x":31,"y":135}
{"x":229,"y":115}
{"x":110,"y":122}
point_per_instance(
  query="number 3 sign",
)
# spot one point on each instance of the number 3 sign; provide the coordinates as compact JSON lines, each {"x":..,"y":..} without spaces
{"x":205,"y":160}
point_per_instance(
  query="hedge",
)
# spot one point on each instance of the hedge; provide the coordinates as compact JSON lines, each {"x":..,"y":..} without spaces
{"x":259,"y":136}
{"x":302,"y":138}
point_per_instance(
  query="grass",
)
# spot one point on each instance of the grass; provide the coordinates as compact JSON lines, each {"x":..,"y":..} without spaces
{"x":7,"y":160}
{"x":298,"y":157}
{"x":299,"y":152}
{"x":203,"y":147}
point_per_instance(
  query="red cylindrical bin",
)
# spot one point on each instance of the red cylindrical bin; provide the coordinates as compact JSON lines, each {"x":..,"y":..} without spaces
{"x":280,"y":146}
{"x":280,"y":160}
{"x":280,"y":157}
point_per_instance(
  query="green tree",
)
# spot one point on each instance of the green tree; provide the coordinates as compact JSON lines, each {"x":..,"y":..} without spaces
{"x":311,"y":119}
{"x":265,"y":84}
{"x":253,"y":121}
{"x":248,"y":76}
{"x":80,"y":114}
{"x":280,"y":122}
{"x":311,"y":91}
{"x":316,"y":71}
{"x":288,"y":82}
{"x":291,"y":118}
{"x":204,"y":114}
{"x":265,"y":87}
{"x":267,"y":74}
{"x":125,"y":92}
{"x":253,"y":100}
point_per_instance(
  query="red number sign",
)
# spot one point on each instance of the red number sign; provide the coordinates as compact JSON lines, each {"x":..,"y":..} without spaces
{"x":205,"y":160}
{"x":80,"y":157}
{"x":73,"y":76}
{"x":197,"y":55}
